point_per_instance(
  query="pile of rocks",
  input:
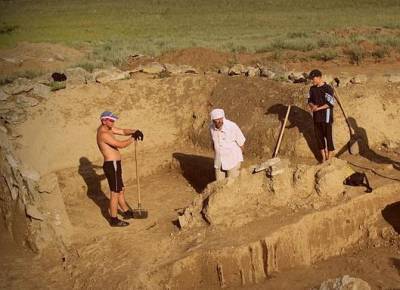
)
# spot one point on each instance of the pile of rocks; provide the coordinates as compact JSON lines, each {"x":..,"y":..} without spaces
{"x":250,"y":71}
{"x":156,"y":68}
{"x":344,"y":283}
{"x":17,"y":96}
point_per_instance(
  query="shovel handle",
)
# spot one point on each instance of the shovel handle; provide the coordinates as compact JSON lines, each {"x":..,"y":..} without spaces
{"x":281,"y":133}
{"x":336,"y":96}
{"x":137,"y":175}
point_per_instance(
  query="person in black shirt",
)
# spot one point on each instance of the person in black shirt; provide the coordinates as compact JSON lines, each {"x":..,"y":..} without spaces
{"x":320,"y":101}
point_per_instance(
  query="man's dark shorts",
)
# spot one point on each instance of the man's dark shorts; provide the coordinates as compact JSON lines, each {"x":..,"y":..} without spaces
{"x":113,"y":172}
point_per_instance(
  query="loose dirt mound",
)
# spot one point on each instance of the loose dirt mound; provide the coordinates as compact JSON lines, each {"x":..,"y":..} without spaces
{"x":37,"y":57}
{"x":201,"y":58}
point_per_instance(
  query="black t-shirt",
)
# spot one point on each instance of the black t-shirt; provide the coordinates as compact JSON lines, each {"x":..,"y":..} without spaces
{"x":320,"y":96}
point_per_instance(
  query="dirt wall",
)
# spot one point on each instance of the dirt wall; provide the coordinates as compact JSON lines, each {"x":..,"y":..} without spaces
{"x":298,"y":243}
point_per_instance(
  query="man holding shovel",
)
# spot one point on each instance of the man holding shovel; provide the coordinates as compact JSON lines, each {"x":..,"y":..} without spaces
{"x":228,"y":141}
{"x":321,"y":100}
{"x":109,"y":146}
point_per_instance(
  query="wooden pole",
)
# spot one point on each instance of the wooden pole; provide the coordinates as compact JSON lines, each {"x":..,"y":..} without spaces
{"x":137,"y":176}
{"x":281,"y":134}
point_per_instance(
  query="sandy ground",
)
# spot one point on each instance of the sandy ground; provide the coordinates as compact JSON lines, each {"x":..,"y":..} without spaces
{"x":127,"y":258}
{"x":101,"y":255}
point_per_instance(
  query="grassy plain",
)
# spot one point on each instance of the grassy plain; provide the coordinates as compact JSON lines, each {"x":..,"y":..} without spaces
{"x":116,"y":28}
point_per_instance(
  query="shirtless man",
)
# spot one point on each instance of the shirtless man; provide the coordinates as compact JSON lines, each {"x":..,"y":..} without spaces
{"x":109,"y":146}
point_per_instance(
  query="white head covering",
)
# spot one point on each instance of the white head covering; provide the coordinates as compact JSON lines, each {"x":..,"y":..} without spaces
{"x":217,"y":114}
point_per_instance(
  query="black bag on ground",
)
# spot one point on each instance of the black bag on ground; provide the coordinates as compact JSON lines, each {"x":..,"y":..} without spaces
{"x":358,"y":179}
{"x":59,"y":77}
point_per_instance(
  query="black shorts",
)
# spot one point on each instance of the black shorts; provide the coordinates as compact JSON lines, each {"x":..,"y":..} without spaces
{"x":113,"y":172}
{"x":323,"y":131}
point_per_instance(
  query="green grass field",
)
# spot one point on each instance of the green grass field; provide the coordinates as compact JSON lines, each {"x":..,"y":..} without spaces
{"x":115,"y":28}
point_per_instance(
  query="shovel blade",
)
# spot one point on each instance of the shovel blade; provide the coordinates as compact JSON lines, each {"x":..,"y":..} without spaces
{"x":140,"y":213}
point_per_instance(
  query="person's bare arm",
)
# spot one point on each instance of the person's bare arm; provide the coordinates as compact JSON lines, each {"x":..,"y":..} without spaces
{"x":110,"y":140}
{"x":316,"y":108}
{"x":123,"y":132}
{"x":312,"y":107}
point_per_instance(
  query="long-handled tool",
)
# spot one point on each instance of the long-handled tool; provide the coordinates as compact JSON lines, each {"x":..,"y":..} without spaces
{"x":273,"y":165}
{"x":278,"y":145}
{"x":353,"y":140}
{"x":139,"y":212}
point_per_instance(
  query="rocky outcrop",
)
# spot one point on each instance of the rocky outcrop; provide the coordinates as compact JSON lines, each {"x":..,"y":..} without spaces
{"x":31,"y":206}
{"x":345,"y":283}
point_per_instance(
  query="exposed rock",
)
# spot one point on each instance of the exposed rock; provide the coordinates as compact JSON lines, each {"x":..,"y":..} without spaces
{"x":42,"y":91}
{"x":153,"y":68}
{"x":48,"y":183}
{"x":3,"y":96}
{"x":30,"y":173}
{"x":358,"y":79}
{"x":18,"y":86}
{"x":345,"y":283}
{"x":252,"y":71}
{"x":187,"y":69}
{"x":173,"y":69}
{"x":3,"y":129}
{"x":223,"y":70}
{"x":181,"y":69}
{"x":59,"y":57}
{"x":14,"y":116}
{"x":25,"y":101}
{"x":266,"y":73}
{"x":33,"y":212}
{"x":298,"y":77}
{"x":12,"y":60}
{"x":330,"y":177}
{"x":101,"y":73}
{"x":394,"y":78}
{"x":237,"y":69}
{"x":12,"y":161}
{"x":113,"y":76}
{"x":77,"y":76}
{"x":7,"y":106}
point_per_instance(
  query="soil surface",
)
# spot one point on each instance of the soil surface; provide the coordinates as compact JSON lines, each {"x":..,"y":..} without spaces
{"x":175,"y":172}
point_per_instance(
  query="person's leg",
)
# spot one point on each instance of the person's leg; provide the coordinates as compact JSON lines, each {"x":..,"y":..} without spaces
{"x":122,"y":201}
{"x":113,"y":204}
{"x":114,"y":220}
{"x":319,"y":136}
{"x":121,"y":197}
{"x":219,"y":174}
{"x":115,"y":189}
{"x":234,"y":172}
{"x":329,"y":141}
{"x":127,"y":212}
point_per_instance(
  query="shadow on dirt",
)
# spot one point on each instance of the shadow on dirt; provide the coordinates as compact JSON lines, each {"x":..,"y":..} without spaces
{"x":363,"y":145}
{"x":92,"y":180}
{"x":198,"y":170}
{"x":298,"y":118}
{"x":396,"y":263}
{"x":391,"y":214}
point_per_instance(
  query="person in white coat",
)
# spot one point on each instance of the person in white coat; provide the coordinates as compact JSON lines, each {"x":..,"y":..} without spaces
{"x":228,"y":141}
